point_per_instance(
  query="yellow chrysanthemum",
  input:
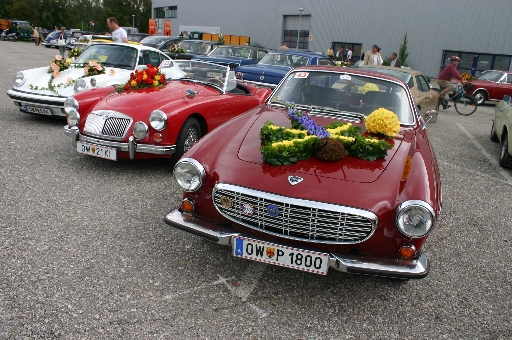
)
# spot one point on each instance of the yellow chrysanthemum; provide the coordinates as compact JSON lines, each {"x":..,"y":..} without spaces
{"x":157,"y":77}
{"x":155,"y":82}
{"x":295,"y":131}
{"x":144,"y":76}
{"x":343,"y":138}
{"x":339,"y":129}
{"x":369,"y":87}
{"x":383,"y":121}
{"x":69,"y":61}
{"x":133,"y":83}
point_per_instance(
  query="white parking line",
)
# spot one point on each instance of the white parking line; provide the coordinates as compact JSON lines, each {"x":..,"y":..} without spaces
{"x":491,"y":158}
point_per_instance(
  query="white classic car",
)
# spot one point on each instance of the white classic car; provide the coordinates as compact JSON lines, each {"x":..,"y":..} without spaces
{"x":41,"y":92}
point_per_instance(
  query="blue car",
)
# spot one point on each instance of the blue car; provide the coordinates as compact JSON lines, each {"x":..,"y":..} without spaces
{"x":275,"y":65}
{"x":235,"y":55}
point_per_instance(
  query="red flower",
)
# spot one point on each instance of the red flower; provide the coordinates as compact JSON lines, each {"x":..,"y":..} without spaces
{"x":149,"y":80}
{"x":127,"y":87}
{"x":138,"y":80}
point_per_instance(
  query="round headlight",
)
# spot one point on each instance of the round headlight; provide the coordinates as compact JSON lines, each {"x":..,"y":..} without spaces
{"x":70,"y":104}
{"x":415,"y":218}
{"x":189,"y":174}
{"x":158,"y":120}
{"x":80,"y":85}
{"x":73,"y":118}
{"x":140,"y":130}
{"x":18,"y":80}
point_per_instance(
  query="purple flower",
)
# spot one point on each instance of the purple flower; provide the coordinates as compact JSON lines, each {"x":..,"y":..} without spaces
{"x":303,"y":119}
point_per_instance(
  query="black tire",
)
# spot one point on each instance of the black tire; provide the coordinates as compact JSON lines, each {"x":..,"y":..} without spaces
{"x":505,"y":158}
{"x":494,"y":136}
{"x":438,"y":105}
{"x":189,"y":134}
{"x":465,"y":105}
{"x":480,"y":97}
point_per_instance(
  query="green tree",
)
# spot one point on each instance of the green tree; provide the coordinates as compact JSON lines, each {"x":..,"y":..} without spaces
{"x":403,"y":54}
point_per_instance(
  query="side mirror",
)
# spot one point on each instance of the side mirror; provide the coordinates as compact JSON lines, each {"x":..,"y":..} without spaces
{"x":430,"y":116}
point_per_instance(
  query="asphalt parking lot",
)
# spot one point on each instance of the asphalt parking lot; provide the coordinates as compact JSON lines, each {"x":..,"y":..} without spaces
{"x":85,"y":254}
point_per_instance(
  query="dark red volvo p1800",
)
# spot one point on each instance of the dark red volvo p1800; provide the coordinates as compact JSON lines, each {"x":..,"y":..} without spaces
{"x":334,"y":171}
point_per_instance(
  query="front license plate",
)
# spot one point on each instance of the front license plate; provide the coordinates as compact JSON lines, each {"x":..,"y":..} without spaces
{"x":96,"y":151}
{"x":213,"y":75}
{"x":309,"y":261}
{"x":38,"y":110}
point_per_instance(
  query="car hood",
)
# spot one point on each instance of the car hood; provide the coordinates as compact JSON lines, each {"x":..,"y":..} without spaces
{"x":349,"y":169}
{"x":40,"y":77}
{"x":277,"y":70}
{"x":173,"y":93}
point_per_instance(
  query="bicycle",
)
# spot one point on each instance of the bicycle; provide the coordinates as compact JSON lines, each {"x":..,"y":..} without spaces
{"x":464,"y":104}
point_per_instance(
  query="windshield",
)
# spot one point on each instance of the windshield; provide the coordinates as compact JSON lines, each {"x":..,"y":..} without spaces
{"x":195,"y":46}
{"x":337,"y":93}
{"x":289,"y":60}
{"x":231,"y":51}
{"x":494,"y":76}
{"x":109,"y":55}
{"x":213,"y":74}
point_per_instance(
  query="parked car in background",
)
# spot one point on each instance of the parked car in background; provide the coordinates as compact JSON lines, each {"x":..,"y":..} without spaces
{"x":51,"y":39}
{"x":275,"y":65}
{"x":491,"y":85}
{"x":74,"y":36}
{"x":193,"y":48}
{"x":501,"y":131}
{"x":159,"y":122}
{"x":425,"y":97}
{"x":160,"y":42}
{"x":35,"y":91}
{"x":254,"y":185}
{"x":235,"y":55}
{"x":137,"y":37}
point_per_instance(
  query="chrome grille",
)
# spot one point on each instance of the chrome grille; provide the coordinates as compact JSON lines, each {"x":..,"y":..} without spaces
{"x":294,"y":218}
{"x":107,"y":124}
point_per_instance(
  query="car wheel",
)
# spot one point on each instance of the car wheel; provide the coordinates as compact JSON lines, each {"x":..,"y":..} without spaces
{"x":505,"y":158}
{"x":494,"y":136}
{"x":480,"y":97}
{"x":189,"y":135}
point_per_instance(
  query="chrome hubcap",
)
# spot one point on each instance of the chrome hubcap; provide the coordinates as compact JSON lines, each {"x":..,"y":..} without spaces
{"x":190,"y":140}
{"x":479,"y":97}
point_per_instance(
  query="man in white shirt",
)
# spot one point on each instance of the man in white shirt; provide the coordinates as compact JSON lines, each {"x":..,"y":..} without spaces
{"x":118,"y":33}
{"x":373,"y":57}
{"x":349,"y":54}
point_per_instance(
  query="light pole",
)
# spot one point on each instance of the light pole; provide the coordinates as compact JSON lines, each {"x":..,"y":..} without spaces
{"x":133,"y":20}
{"x":300,"y":21}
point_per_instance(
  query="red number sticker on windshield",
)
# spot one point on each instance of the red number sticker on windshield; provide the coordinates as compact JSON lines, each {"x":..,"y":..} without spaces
{"x":301,"y":75}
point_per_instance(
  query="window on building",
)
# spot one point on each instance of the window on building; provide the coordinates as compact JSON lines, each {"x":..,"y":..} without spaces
{"x":166,"y":12}
{"x":291,"y":36}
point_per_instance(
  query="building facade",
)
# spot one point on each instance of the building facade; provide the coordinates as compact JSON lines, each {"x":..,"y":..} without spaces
{"x":479,"y":32}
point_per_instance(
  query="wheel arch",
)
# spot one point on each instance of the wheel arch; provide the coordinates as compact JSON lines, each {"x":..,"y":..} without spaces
{"x":202,"y":122}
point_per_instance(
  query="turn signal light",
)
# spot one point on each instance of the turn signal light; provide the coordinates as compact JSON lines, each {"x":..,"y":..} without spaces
{"x":157,"y":137}
{"x":188,"y":205}
{"x":407,"y":252}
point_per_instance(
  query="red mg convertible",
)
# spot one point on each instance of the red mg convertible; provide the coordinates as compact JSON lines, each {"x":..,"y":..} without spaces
{"x":150,"y":117}
{"x":334,"y":172}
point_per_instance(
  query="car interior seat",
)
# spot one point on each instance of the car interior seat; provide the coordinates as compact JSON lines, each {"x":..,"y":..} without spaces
{"x":381,"y":99}
{"x":319,"y":95}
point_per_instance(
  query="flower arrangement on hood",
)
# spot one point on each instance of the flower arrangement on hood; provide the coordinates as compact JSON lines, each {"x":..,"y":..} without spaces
{"x":59,"y":64}
{"x":382,"y":121}
{"x":93,"y":68}
{"x":285,"y":146}
{"x":75,"y":52}
{"x":175,"y":48}
{"x":140,"y":79}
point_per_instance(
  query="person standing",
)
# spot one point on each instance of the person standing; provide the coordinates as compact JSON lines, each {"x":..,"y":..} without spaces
{"x":339,"y":54}
{"x":330,"y":52}
{"x":394,"y":61}
{"x":284,"y":47}
{"x":61,"y":41}
{"x":36,"y":36}
{"x":373,"y":57}
{"x":349,"y":54}
{"x":118,"y":34}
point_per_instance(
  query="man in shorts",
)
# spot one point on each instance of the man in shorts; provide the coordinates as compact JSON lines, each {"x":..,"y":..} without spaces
{"x":118,"y":33}
{"x":443,"y":79}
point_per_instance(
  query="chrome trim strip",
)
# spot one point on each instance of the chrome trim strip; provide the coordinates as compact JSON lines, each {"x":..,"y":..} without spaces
{"x":356,"y":264}
{"x":137,"y":148}
{"x":373,"y":218}
{"x":258,"y":83}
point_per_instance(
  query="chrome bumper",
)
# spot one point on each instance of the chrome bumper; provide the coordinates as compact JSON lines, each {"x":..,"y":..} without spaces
{"x":131,"y":147}
{"x":356,"y":264}
{"x":53,"y":103}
